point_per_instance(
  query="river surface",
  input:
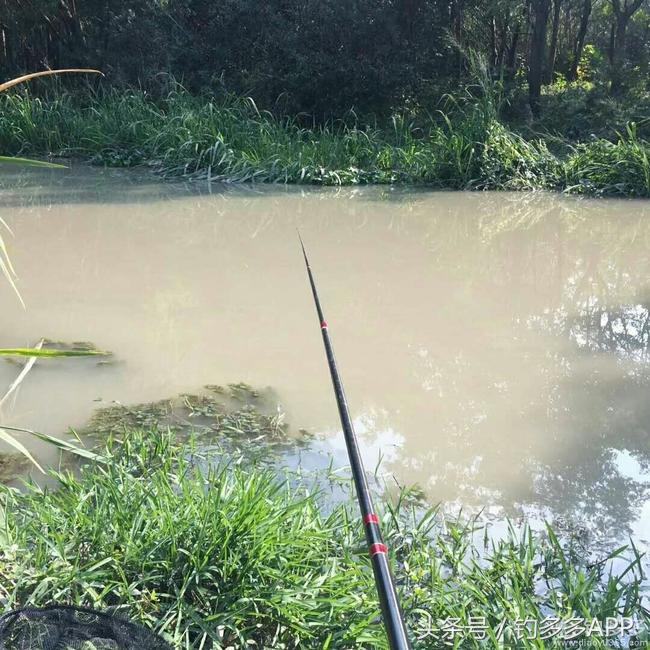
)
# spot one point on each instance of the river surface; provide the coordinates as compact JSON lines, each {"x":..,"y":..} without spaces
{"x":494,"y":346}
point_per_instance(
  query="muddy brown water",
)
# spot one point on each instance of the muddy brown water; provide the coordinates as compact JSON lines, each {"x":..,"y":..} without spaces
{"x":494,"y":346}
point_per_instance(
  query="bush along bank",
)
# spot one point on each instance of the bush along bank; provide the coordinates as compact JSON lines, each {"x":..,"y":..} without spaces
{"x":230,"y":555}
{"x":231,"y":140}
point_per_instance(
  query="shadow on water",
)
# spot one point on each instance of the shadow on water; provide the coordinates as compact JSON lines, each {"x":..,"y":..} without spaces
{"x":32,"y":187}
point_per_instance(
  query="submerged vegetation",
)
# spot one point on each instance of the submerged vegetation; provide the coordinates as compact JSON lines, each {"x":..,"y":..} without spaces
{"x":232,"y":140}
{"x":221,"y":550}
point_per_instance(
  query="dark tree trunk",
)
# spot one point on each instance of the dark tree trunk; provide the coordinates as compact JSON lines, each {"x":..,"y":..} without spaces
{"x":502,"y":48}
{"x":612,"y":40}
{"x":580,"y":39}
{"x":540,"y":11}
{"x":623,"y":12}
{"x":408,"y":16}
{"x":105,"y":36}
{"x":618,"y":54}
{"x":555,"y":30}
{"x":511,"y":54}
{"x":457,"y":30}
{"x":494,"y":51}
{"x":4,"y":46}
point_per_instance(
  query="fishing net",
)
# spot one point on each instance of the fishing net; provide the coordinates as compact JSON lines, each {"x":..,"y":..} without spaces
{"x":73,"y":628}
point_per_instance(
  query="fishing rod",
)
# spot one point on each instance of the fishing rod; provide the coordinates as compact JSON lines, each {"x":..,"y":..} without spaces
{"x":390,"y":608}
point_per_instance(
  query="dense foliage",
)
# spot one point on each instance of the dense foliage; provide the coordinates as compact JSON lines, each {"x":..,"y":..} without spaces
{"x":233,"y":556}
{"x":231,"y":140}
{"x":325,"y":57}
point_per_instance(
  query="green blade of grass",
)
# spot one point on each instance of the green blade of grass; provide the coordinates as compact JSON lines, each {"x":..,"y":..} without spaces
{"x":28,"y":162}
{"x":7,"y":271}
{"x":16,"y":444}
{"x":35,"y":352}
{"x":63,"y":445}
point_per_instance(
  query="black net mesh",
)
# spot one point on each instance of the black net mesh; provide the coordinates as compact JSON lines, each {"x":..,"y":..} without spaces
{"x":73,"y":628}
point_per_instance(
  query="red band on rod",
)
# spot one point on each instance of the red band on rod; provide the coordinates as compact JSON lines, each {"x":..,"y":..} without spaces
{"x":372,"y":518}
{"x":375,"y":549}
{"x":323,"y":325}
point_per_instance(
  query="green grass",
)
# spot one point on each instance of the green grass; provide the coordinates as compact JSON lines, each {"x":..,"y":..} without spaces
{"x":611,"y":168}
{"x":232,"y":554}
{"x":231,"y":140}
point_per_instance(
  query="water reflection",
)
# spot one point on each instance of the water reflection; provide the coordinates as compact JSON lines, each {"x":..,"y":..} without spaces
{"x":494,"y":345}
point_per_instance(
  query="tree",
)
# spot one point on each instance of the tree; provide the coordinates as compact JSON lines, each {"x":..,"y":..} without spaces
{"x":504,"y":20}
{"x":579,"y":43}
{"x":552,"y":55}
{"x":623,"y":12}
{"x":322,"y":57}
{"x":537,"y":52}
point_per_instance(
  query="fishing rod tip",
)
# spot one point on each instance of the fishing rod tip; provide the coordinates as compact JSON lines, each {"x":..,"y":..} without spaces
{"x":302,"y":245}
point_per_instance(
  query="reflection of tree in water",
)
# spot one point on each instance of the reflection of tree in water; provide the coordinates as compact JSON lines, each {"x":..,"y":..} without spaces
{"x":592,"y":315}
{"x":606,"y":317}
{"x":583,"y":336}
{"x":606,"y":413}
{"x":623,"y":330}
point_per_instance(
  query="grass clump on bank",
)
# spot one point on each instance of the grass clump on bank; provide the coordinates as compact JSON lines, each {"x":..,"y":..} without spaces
{"x":231,"y":555}
{"x":231,"y":140}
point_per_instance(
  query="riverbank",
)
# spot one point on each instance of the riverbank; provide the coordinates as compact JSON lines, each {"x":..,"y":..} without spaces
{"x":184,"y":135}
{"x":231,"y":554}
